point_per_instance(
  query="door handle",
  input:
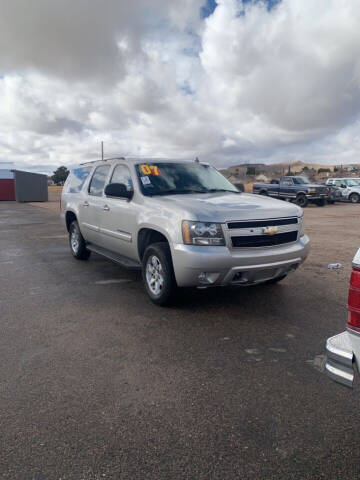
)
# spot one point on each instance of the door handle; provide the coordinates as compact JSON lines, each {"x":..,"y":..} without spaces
{"x":85,"y":204}
{"x":106,"y":207}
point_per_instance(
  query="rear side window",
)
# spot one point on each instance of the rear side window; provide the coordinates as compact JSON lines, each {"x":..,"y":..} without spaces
{"x":98,"y":180}
{"x":77,"y":179}
{"x":287,"y":182}
{"x":122,"y":174}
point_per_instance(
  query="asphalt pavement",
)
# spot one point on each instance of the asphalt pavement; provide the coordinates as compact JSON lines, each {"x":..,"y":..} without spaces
{"x":97,"y":382}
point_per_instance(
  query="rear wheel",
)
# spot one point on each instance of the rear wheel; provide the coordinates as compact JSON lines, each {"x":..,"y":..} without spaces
{"x":158,"y":273}
{"x":302,"y":201}
{"x":354,"y":198}
{"x":321,"y":202}
{"x":263,"y":192}
{"x":77,"y":242}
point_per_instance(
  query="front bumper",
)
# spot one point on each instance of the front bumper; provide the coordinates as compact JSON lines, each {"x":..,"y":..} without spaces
{"x":318,"y":196}
{"x":211,"y":266}
{"x":340,"y":359}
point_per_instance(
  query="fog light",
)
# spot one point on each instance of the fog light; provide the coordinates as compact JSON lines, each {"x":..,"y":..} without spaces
{"x":207,"y":278}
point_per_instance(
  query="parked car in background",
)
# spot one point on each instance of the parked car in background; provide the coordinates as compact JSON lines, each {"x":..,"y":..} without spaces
{"x":349,"y":188}
{"x":183,"y":223}
{"x":343,"y":350}
{"x":334,"y":193}
{"x":298,"y":189}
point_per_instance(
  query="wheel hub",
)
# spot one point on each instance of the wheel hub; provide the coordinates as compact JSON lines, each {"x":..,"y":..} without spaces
{"x":74,"y":240}
{"x":154,"y":275}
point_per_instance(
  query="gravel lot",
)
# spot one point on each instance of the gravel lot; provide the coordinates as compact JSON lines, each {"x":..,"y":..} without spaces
{"x":96,"y":382}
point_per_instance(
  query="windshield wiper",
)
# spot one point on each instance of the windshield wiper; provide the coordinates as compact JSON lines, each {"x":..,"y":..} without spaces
{"x":211,"y":190}
{"x":180,"y":192}
{"x":189,"y":191}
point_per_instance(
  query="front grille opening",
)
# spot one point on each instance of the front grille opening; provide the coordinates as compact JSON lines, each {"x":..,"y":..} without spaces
{"x":263,"y":223}
{"x":246,"y":241}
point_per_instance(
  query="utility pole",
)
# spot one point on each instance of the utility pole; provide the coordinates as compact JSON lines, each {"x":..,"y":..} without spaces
{"x":102,"y":150}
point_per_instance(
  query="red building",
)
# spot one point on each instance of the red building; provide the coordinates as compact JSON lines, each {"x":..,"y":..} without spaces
{"x":7,"y":185}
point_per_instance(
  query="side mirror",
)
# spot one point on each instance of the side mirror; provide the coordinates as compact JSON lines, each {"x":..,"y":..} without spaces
{"x":118,"y":190}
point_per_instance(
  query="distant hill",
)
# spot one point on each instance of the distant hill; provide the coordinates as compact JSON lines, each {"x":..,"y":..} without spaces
{"x":278,"y":169}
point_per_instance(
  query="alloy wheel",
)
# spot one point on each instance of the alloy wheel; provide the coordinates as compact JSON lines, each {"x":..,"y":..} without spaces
{"x":154,"y":275}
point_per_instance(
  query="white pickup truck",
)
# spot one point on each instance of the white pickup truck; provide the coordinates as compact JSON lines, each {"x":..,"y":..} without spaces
{"x":183,"y":223}
{"x":349,"y":188}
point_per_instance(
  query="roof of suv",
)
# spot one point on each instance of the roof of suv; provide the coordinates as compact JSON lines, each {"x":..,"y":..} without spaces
{"x":143,"y":160}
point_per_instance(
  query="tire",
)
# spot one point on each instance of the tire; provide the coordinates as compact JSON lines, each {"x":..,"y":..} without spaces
{"x":331,"y":202}
{"x":354,"y":198}
{"x":321,"y":203}
{"x":274,"y":280}
{"x":158,"y":274}
{"x":264,"y":193}
{"x":302,"y":201}
{"x":77,"y":242}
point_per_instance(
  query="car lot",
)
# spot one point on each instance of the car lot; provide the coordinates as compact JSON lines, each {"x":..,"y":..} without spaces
{"x":97,"y":382}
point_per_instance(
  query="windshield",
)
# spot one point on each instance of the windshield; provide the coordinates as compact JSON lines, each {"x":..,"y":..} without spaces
{"x":181,"y":178}
{"x":352,"y":183}
{"x":301,"y":180}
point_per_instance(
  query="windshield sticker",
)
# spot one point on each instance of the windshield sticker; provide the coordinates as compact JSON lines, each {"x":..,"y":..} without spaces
{"x":145,"y":180}
{"x":150,"y":170}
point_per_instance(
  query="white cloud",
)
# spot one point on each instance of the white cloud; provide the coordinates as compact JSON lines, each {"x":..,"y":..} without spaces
{"x":248,"y":83}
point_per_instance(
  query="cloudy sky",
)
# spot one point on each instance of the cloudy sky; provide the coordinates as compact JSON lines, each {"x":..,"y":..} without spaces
{"x":229,"y":81}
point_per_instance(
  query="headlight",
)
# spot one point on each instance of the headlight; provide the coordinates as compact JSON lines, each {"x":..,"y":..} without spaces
{"x":200,"y":233}
{"x":301,"y":226}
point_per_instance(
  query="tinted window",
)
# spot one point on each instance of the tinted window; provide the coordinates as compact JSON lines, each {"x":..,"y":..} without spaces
{"x":77,"y":179}
{"x":98,"y":180}
{"x":121,"y":174}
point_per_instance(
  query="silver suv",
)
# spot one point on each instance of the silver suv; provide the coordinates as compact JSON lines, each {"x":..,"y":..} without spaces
{"x":183,"y":223}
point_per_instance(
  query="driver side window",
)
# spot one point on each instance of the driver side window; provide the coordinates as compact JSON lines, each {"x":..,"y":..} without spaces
{"x":121,"y":174}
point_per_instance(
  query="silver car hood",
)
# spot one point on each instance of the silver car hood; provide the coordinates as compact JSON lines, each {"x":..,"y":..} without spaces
{"x":223,"y":207}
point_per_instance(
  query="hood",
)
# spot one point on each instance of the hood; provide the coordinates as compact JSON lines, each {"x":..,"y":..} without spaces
{"x":223,"y":207}
{"x":314,"y":185}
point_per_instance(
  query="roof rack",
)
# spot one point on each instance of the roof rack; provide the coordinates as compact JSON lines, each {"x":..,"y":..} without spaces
{"x":103,"y":160}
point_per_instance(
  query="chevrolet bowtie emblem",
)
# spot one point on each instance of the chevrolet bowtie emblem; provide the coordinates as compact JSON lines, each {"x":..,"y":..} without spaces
{"x":270,"y":230}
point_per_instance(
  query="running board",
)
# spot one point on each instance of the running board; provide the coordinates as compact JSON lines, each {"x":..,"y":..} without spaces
{"x":115,"y":257}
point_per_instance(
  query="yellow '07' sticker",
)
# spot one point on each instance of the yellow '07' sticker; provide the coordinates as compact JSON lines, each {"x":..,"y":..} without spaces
{"x":150,"y":170}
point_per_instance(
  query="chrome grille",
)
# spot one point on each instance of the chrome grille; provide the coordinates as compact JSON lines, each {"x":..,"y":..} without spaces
{"x":252,"y":233}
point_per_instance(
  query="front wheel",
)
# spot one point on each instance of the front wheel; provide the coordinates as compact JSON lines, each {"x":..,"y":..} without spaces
{"x":354,"y":198}
{"x":302,"y":201}
{"x":158,"y":273}
{"x":77,"y":242}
